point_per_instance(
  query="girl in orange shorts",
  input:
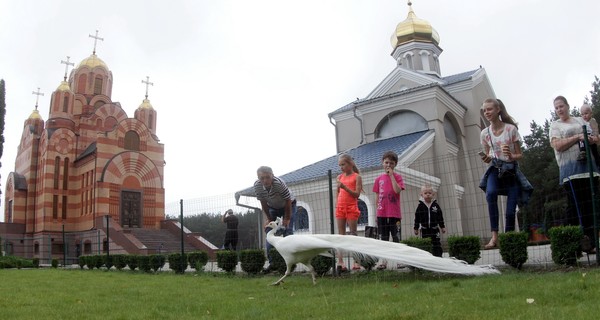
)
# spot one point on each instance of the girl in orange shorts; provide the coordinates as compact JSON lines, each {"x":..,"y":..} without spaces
{"x":349,"y":187}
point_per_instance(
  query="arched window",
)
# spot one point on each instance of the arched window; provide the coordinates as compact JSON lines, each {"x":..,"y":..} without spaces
{"x":132,"y":141}
{"x":98,"y":85}
{"x":66,"y":174}
{"x":363,"y":219}
{"x":425,"y":60}
{"x":56,"y":171}
{"x":449,"y":130}
{"x":401,"y":123}
{"x":409,"y":62}
{"x":81,"y":83}
{"x":301,"y":222}
{"x":66,"y":104}
{"x":87,"y":247}
{"x":150,"y":121}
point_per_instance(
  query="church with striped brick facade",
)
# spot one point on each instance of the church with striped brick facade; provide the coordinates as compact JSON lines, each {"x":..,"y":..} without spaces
{"x":88,"y":170}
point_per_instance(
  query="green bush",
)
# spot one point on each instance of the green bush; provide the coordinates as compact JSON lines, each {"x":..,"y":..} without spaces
{"x":55,"y":263}
{"x":36,"y":262}
{"x":322,"y":264}
{"x":466,"y":248}
{"x":98,"y":261}
{"x":120,"y":261}
{"x":197,"y":260}
{"x":177,"y":262}
{"x":513,"y":248}
{"x":227,"y":260}
{"x":9,"y":262}
{"x":419,"y":243}
{"x":144,"y":263}
{"x":132,"y":262}
{"x":81,"y":261}
{"x":252,"y":260}
{"x":157,"y":261}
{"x":107,"y":260}
{"x":90,"y":262}
{"x":565,"y":243}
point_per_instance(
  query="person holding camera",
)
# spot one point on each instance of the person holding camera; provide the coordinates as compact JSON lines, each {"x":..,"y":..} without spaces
{"x":231,"y":235}
{"x":501,"y":150}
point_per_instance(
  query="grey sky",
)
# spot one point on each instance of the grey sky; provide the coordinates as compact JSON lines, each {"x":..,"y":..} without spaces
{"x":240,"y":84}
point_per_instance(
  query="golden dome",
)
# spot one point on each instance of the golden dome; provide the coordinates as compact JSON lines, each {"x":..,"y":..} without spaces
{"x":64,"y":86}
{"x":414,"y":29}
{"x":35,"y":115}
{"x":145,"y":105}
{"x":92,"y":62}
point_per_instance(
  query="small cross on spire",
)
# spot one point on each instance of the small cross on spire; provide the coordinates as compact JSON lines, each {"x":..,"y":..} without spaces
{"x":37,"y":98}
{"x":96,"y":38}
{"x":67,"y":64}
{"x":148,"y":83}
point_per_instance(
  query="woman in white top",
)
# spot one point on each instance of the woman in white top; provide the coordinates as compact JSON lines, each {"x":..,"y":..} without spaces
{"x":565,"y":134}
{"x":500,"y":142}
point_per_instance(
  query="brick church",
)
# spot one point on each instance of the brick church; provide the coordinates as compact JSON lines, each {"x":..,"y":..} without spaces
{"x":89,"y":178}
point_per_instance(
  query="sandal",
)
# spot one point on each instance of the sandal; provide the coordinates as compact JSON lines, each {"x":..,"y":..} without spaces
{"x":381,"y":267}
{"x":355,"y":267}
{"x":491,"y":245}
{"x":341,"y":269}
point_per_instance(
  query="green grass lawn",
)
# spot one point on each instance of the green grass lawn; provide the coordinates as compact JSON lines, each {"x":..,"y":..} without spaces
{"x":100,"y":294}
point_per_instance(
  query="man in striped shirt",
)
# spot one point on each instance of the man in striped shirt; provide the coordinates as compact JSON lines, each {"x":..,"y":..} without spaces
{"x":276,"y":200}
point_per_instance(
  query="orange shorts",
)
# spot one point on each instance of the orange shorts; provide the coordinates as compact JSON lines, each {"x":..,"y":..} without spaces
{"x":347,"y":211}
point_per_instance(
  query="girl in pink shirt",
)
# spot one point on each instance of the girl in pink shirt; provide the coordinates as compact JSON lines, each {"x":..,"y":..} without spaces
{"x":388,"y":187}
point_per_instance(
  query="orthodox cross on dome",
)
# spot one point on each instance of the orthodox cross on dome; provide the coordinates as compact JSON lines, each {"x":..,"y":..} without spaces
{"x":37,"y":98}
{"x":67,"y":64}
{"x":148,"y":83}
{"x":96,"y":38}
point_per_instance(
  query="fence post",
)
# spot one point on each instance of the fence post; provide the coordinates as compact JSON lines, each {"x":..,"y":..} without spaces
{"x":591,"y":172}
{"x":64,"y":246}
{"x":181,"y":221}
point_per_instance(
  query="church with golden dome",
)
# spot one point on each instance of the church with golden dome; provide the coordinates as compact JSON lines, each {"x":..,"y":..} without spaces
{"x":90,"y":178}
{"x":433,"y":122}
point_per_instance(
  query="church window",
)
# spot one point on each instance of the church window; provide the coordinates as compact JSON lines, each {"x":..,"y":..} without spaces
{"x":132,"y":141}
{"x":98,"y":85}
{"x":150,"y":121}
{"x":66,"y":104}
{"x":64,"y":207}
{"x":401,"y":123}
{"x":409,"y":62}
{"x":10,"y":211}
{"x":449,"y":130}
{"x":301,"y":222}
{"x":55,"y":207}
{"x":56,"y":171}
{"x":36,"y":248}
{"x":81,"y":83}
{"x":425,"y":60}
{"x":87,"y":247}
{"x":66,"y":174}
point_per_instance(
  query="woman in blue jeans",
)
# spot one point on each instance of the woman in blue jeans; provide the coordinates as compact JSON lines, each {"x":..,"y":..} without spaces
{"x":501,"y":149}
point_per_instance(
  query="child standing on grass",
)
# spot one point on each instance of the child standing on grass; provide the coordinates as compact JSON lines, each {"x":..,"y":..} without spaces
{"x":429,"y":219}
{"x":349,"y":187}
{"x":388,"y":187}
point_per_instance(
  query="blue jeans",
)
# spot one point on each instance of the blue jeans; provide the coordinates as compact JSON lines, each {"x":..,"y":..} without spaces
{"x":275,"y":213}
{"x":507,"y":185}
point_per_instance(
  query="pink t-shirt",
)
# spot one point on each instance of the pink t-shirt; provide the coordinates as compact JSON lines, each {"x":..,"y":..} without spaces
{"x":388,"y":201}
